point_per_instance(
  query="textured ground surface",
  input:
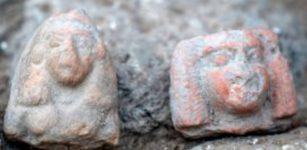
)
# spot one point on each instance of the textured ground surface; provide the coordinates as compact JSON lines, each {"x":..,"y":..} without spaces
{"x":141,"y":35}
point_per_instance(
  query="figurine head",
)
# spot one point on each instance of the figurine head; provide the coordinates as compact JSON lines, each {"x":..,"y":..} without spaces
{"x":72,"y":40}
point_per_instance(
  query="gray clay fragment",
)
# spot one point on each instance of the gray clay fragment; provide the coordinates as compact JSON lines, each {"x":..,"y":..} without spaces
{"x":64,"y":90}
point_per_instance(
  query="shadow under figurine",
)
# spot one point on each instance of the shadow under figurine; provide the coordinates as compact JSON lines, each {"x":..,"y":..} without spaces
{"x":231,"y":82}
{"x":64,"y":90}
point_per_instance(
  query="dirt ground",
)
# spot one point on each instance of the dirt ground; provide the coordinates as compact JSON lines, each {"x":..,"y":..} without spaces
{"x":141,"y":35}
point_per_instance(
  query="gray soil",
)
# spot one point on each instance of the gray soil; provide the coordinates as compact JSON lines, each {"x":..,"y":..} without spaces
{"x":141,"y":35}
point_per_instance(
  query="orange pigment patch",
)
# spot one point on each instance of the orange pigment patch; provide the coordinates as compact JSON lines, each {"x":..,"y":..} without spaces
{"x":220,"y":83}
{"x":221,"y":59}
{"x":252,"y":40}
{"x":283,"y":93}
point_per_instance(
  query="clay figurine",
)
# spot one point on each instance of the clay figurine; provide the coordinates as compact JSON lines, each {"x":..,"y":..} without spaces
{"x":64,"y":89}
{"x":232,"y":82}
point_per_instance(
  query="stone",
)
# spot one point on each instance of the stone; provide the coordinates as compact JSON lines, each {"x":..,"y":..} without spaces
{"x":64,"y":89}
{"x":232,"y":82}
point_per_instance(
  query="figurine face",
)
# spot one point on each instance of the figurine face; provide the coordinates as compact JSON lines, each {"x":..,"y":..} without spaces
{"x":71,"y":54}
{"x":237,"y":75}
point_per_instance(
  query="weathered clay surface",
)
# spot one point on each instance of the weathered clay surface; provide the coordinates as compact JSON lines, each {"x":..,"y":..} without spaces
{"x":64,"y":91}
{"x":231,"y":82}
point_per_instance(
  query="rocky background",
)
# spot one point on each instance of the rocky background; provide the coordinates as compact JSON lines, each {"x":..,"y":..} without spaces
{"x":141,"y":35}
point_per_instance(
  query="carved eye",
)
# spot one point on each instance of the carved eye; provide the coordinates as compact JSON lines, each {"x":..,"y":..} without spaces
{"x":220,"y":57}
{"x":55,"y":40}
{"x":54,"y":44}
{"x":253,"y":55}
{"x":83,"y":44}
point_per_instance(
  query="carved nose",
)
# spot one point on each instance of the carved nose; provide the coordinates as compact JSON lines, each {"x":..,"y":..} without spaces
{"x":70,"y":48}
{"x":240,"y":73}
{"x":68,"y":56}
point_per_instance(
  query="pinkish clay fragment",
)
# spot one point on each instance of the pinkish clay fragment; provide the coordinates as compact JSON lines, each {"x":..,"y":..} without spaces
{"x":231,"y":82}
{"x":64,"y":91}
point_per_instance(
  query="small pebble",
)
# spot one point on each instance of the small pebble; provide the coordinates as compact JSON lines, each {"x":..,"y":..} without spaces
{"x":3,"y":45}
{"x":288,"y":147}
